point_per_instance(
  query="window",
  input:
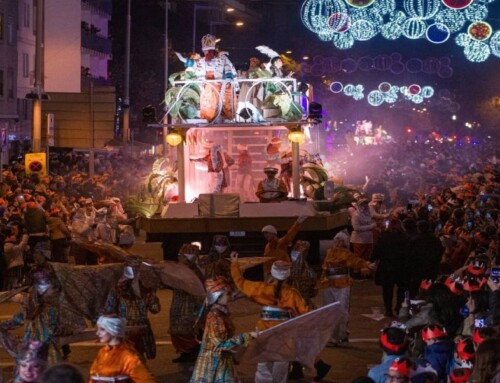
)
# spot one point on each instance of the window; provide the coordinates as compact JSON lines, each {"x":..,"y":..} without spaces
{"x":1,"y":26}
{"x":1,"y":83}
{"x":10,"y":83}
{"x":27,"y":15}
{"x":10,"y":30}
{"x":26,"y":65}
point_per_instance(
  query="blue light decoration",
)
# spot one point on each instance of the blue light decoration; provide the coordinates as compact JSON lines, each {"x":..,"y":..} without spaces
{"x":437,"y":33}
{"x":349,"y":89}
{"x":326,"y":35}
{"x":336,"y":87}
{"x":385,"y":7}
{"x":384,"y":87}
{"x":427,"y":91}
{"x":476,"y":12}
{"x":495,"y":44}
{"x":463,"y":39}
{"x":452,"y":19}
{"x":391,"y":30}
{"x":343,"y":40}
{"x":423,"y":9}
{"x":363,"y":30}
{"x":414,"y":28}
{"x":477,"y":51}
{"x":316,"y":13}
{"x":375,"y":98}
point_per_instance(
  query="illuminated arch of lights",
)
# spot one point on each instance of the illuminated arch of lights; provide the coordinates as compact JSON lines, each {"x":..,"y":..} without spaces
{"x":343,"y":22}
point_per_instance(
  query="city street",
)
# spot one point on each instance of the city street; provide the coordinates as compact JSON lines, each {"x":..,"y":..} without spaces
{"x":348,"y":361}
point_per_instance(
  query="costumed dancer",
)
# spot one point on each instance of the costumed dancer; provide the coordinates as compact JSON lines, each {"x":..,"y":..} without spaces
{"x":117,"y":361}
{"x":131,"y":300}
{"x":41,"y":313}
{"x":215,"y":363}
{"x":273,"y":154}
{"x":271,"y":189}
{"x":337,"y":282}
{"x":302,"y":277}
{"x":363,"y":225}
{"x":216,"y":262}
{"x":244,"y":179}
{"x":277,"y":248}
{"x":218,"y":162}
{"x":275,"y":65}
{"x":31,"y":362}
{"x":184,"y":310}
{"x":280,"y":302}
{"x":216,"y":66}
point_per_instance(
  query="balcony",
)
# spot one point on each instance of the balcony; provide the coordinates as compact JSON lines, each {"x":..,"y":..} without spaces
{"x":101,"y":6}
{"x":96,"y":43}
{"x":262,"y":101}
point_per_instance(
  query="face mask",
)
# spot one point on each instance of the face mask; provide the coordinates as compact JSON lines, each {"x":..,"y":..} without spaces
{"x":220,"y":249}
{"x":295,"y":255}
{"x":128,"y":272}
{"x":189,"y":257}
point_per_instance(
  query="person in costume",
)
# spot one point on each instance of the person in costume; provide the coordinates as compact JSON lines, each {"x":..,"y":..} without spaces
{"x":218,"y":162}
{"x":302,"y":277}
{"x":280,"y":302}
{"x":41,"y":313}
{"x":277,"y":248}
{"x":244,"y":179}
{"x":271,"y":189}
{"x":131,"y":300}
{"x":336,"y":280}
{"x":273,"y":153}
{"x":215,"y":65}
{"x":215,"y":362}
{"x":184,"y":310}
{"x":117,"y":359}
{"x":31,"y":362}
{"x":216,"y":262}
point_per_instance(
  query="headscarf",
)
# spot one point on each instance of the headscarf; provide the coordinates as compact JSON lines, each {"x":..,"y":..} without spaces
{"x":113,"y":325}
{"x":216,"y":287}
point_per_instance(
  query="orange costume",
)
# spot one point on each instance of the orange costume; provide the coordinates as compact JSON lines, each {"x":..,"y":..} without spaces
{"x":121,"y":362}
{"x":277,"y":249}
{"x":336,"y":266}
{"x":289,"y":304}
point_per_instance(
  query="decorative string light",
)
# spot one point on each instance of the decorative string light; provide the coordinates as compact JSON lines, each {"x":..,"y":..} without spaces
{"x":477,"y":51}
{"x":414,"y":28}
{"x":495,"y":44}
{"x":316,"y":13}
{"x":343,"y":40}
{"x":424,"y":9}
{"x":480,"y":31}
{"x":437,"y":33}
{"x":452,"y":19}
{"x":363,"y":30}
{"x":476,"y":12}
{"x":359,"y":3}
{"x":391,"y":30}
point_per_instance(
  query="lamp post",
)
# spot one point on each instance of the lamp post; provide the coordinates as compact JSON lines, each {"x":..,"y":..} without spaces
{"x":36,"y":135}
{"x":165,"y":119}
{"x":126,"y":90}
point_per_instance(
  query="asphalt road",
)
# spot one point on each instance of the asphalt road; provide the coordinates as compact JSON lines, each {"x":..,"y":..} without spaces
{"x":348,"y":361}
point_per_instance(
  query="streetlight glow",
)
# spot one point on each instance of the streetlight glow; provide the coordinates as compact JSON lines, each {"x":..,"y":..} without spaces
{"x":229,"y":9}
{"x":240,"y":23}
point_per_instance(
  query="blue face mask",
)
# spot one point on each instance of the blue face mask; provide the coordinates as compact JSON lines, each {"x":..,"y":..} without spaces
{"x":294,"y":254}
{"x":464,"y":311}
{"x":220,"y":249}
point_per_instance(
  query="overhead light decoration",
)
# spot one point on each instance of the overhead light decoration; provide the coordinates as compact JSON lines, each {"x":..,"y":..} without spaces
{"x":343,"y":22}
{"x":495,"y":44}
{"x":173,"y":138}
{"x":477,"y":51}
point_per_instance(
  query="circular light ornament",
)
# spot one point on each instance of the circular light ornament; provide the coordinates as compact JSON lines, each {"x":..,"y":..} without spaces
{"x":452,"y":19}
{"x":349,"y":89}
{"x":391,"y":30}
{"x":414,"y":89}
{"x":437,"y":33}
{"x":375,"y":98}
{"x":480,"y":31}
{"x":326,"y":35}
{"x":495,"y":44}
{"x":417,"y":99}
{"x":343,"y":40}
{"x":316,"y":13}
{"x":390,"y":98}
{"x":477,"y":51}
{"x":359,"y":3}
{"x":363,"y":30}
{"x":427,"y":91}
{"x":457,"y":4}
{"x":424,"y":9}
{"x":336,"y":87}
{"x":384,"y":87}
{"x":414,"y":28}
{"x":173,"y":138}
{"x":358,"y":96}
{"x":385,"y":7}
{"x":463,"y":39}
{"x":476,"y":12}
{"x":339,"y":22}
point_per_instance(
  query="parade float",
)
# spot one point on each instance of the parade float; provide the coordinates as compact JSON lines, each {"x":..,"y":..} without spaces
{"x":224,"y":128}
